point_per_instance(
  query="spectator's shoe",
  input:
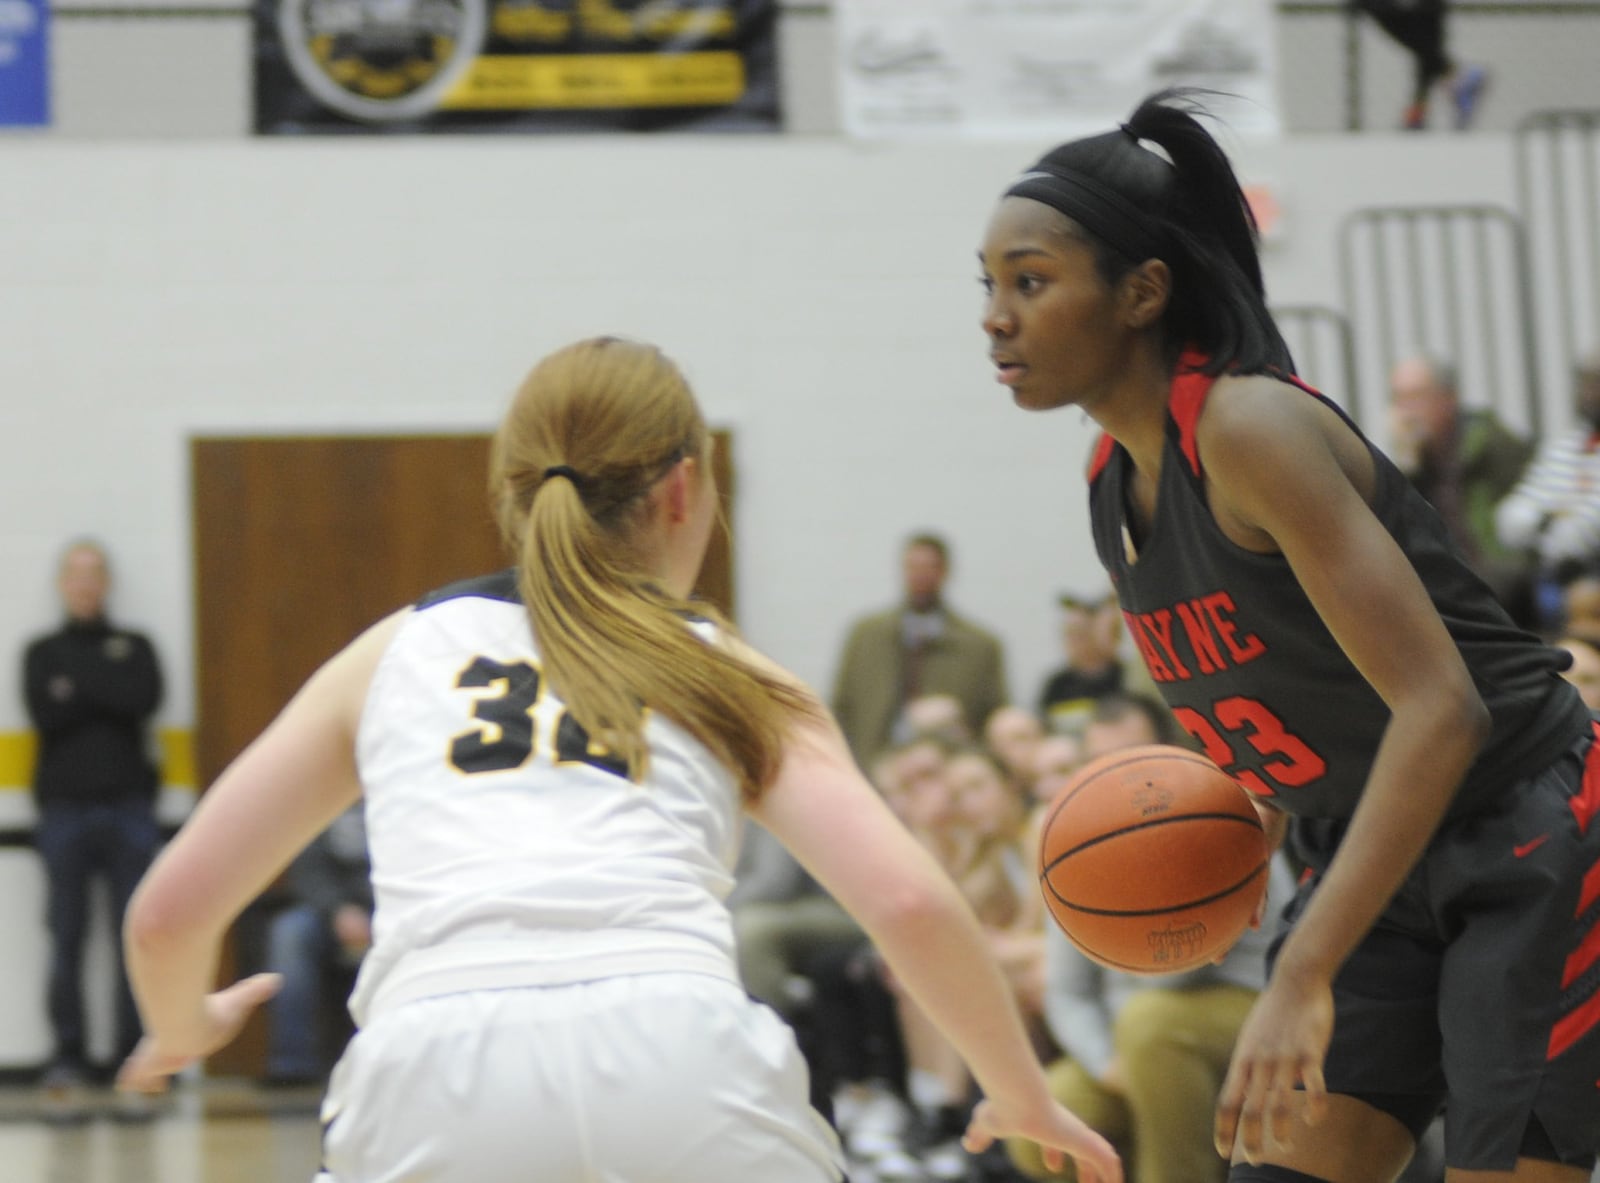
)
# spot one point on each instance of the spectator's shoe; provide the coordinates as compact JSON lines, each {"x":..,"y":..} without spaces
{"x":935,"y":1138}
{"x":898,"y":1165}
{"x":1415,"y":117}
{"x":64,"y":1094}
{"x":1466,"y":92}
{"x":946,"y":1161}
{"x":878,"y":1125}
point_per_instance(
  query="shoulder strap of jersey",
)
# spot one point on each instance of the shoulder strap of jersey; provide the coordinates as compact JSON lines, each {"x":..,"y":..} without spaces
{"x":502,"y":585}
{"x":1103,"y":448}
{"x":1190,"y":386}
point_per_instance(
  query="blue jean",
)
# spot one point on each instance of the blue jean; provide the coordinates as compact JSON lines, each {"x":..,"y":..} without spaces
{"x":300,"y":946}
{"x":80,"y":843}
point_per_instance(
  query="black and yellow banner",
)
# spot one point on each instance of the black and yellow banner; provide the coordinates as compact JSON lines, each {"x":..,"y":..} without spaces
{"x":515,"y":65}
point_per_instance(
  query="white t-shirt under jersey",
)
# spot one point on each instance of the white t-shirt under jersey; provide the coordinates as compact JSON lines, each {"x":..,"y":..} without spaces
{"x":499,"y":856}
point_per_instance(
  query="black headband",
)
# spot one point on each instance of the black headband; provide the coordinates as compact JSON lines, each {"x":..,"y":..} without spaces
{"x":1096,"y":207}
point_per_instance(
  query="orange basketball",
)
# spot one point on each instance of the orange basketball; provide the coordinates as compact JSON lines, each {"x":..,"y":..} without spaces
{"x":1152,"y":859}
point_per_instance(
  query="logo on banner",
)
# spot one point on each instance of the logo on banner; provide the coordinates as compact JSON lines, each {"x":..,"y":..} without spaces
{"x":24,"y":63}
{"x":381,"y":60}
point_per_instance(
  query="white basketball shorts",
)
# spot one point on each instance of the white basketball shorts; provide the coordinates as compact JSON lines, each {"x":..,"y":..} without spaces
{"x":654,"y":1078}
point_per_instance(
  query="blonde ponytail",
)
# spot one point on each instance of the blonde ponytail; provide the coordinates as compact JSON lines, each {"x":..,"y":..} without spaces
{"x":590,"y":432}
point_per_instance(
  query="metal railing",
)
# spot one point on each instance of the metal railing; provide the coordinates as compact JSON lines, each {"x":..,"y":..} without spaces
{"x":1450,"y":281}
{"x":1558,"y":187}
{"x":1319,"y":338}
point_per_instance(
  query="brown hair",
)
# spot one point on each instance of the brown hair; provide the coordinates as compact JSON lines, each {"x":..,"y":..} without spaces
{"x":617,"y":416}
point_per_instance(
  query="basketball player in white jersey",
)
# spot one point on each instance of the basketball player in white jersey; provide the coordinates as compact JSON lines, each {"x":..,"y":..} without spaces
{"x":555,"y":764}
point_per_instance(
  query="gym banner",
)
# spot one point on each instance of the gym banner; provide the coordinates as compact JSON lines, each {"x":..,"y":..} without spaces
{"x":1047,"y":69}
{"x":431,"y":66}
{"x":24,"y":63}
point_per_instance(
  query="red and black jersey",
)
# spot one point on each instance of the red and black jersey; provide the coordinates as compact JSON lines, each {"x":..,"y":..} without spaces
{"x":1243,"y":658}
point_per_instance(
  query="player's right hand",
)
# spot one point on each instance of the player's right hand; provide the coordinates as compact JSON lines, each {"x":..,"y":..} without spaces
{"x":1059,"y":1134}
{"x":153,"y":1062}
{"x":1275,"y":1076}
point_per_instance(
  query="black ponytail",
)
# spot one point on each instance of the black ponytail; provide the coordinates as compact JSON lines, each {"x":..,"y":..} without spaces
{"x":1183,"y":205}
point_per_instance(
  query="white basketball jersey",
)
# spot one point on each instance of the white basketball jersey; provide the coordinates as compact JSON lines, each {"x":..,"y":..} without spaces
{"x":505,"y":849}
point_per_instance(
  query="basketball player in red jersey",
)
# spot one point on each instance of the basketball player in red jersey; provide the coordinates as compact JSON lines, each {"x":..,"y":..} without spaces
{"x":1310,"y":625}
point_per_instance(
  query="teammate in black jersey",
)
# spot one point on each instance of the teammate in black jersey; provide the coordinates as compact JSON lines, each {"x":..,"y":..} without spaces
{"x":1310,"y":624}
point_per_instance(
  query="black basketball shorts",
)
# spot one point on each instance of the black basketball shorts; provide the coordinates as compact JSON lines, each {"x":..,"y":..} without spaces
{"x":1479,"y":987}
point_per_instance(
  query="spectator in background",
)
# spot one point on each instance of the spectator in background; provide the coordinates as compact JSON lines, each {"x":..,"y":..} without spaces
{"x":1464,"y":462}
{"x":1144,"y":1056}
{"x":972,"y":815}
{"x":1091,"y":630}
{"x":327,"y":927}
{"x":1580,"y":603}
{"x":1012,"y":734}
{"x":1055,"y":759}
{"x":1418,"y":26}
{"x":1584,"y":673}
{"x":871,"y":1100}
{"x":91,"y":689}
{"x":917,"y":648}
{"x":935,"y":716}
{"x":1554,"y":512}
{"x":782,"y":920}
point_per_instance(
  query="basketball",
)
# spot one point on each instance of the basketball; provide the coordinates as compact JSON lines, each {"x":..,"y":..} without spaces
{"x":1152,"y":859}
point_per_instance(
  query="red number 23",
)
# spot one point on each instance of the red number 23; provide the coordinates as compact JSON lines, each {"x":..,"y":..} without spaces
{"x":1292,"y":763}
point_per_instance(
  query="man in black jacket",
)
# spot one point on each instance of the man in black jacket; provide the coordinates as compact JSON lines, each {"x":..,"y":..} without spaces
{"x":91,"y":690}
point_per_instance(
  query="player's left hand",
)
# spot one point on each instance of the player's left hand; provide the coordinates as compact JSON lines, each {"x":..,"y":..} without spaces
{"x":1060,"y":1134}
{"x":151,"y":1065}
{"x":1276,"y":1072}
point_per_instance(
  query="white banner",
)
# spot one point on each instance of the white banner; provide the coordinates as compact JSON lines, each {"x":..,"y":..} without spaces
{"x":1047,"y":69}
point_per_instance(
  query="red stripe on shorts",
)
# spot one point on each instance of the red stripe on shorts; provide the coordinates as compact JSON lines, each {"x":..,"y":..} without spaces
{"x":1587,"y":803}
{"x":1590,"y":890}
{"x":1573,"y":1027}
{"x":1585,"y":955}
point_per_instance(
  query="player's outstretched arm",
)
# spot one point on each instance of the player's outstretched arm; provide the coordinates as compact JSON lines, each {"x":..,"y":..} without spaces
{"x":826,"y":813}
{"x":282,"y":791}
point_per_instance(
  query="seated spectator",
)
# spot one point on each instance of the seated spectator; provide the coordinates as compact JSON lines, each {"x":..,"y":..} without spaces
{"x":858,"y":1057}
{"x":999,"y":880}
{"x":1464,"y":462}
{"x":1012,"y":733}
{"x":1144,"y":1056}
{"x":937,"y":716}
{"x":918,"y":791}
{"x":1554,"y":512}
{"x":984,"y":816}
{"x":1585,"y":670}
{"x":1580,"y":602}
{"x":1127,"y":720}
{"x":327,"y":927}
{"x":1091,"y":630}
{"x":783,"y":921}
{"x":1055,"y":760}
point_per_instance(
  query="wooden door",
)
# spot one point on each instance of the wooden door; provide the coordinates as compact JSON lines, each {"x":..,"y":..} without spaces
{"x":302,"y":542}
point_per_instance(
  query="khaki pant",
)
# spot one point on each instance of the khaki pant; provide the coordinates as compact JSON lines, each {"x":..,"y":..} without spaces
{"x":1173,"y":1047}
